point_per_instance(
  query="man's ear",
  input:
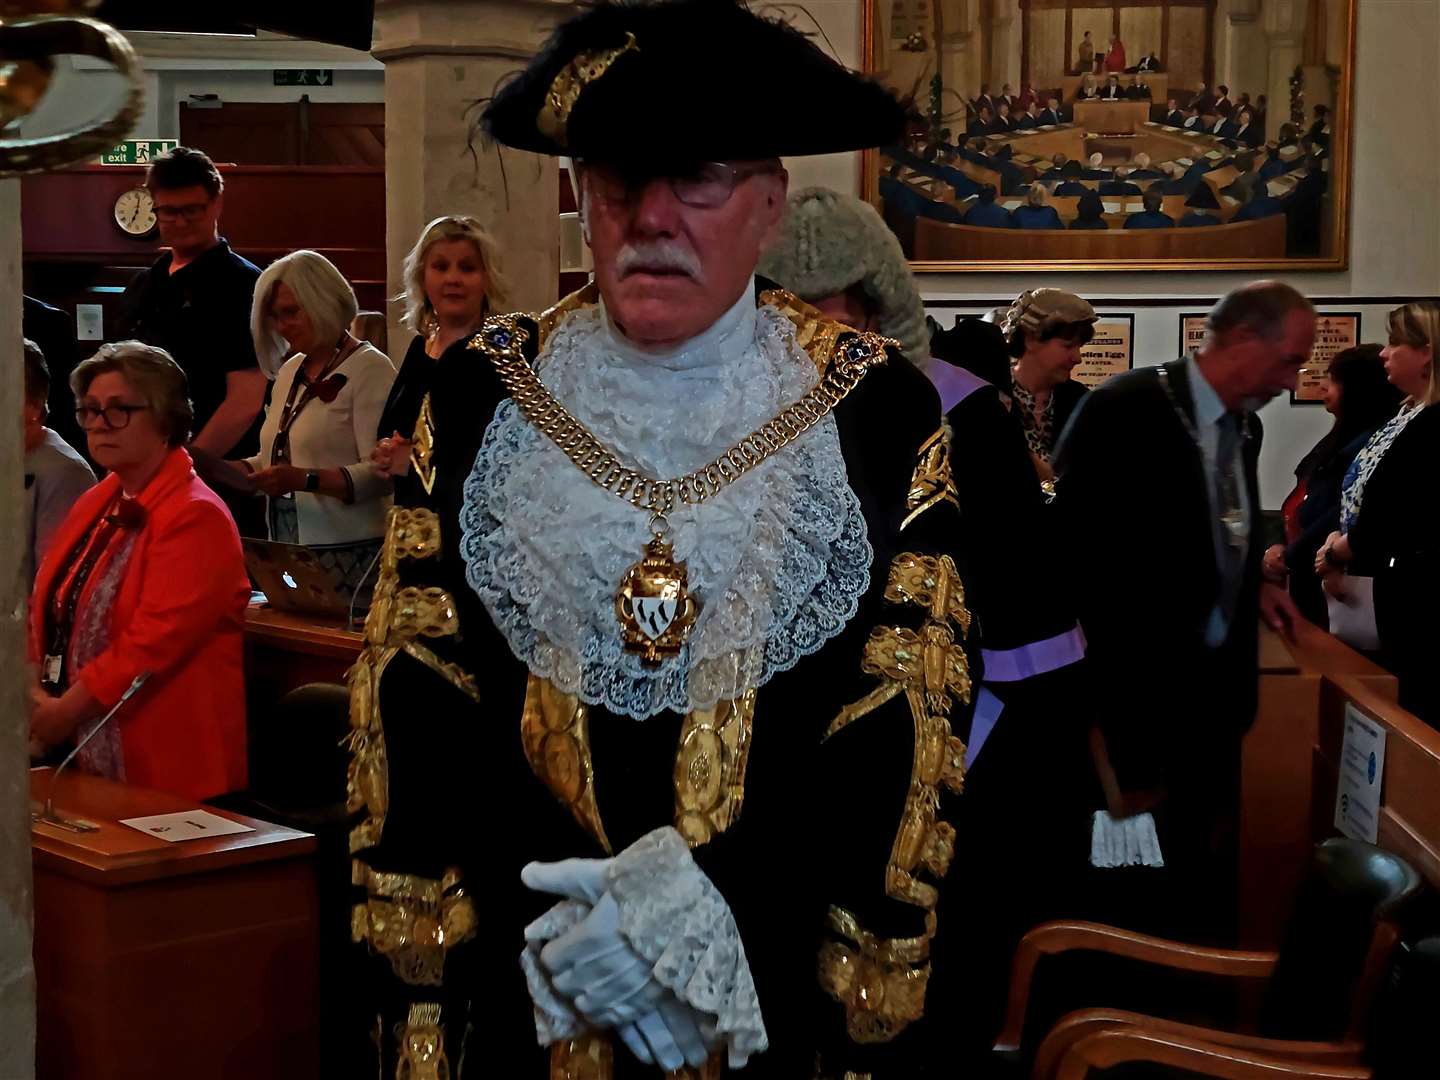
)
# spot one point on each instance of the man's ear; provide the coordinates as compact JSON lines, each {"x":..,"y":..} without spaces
{"x":777,"y":190}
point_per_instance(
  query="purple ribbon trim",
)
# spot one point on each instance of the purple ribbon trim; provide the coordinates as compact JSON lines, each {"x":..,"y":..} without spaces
{"x":1037,"y":658}
{"x":987,"y":710}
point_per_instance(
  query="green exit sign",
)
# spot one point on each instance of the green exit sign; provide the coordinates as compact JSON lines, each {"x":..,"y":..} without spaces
{"x":137,"y":151}
{"x":304,"y":77}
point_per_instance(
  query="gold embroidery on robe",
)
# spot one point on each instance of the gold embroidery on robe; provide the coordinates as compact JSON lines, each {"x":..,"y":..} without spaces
{"x":814,"y":332}
{"x":931,"y":483}
{"x":710,"y":768}
{"x":422,"y":1045}
{"x":555,"y":733}
{"x":881,"y":982}
{"x":412,"y":921}
{"x":422,"y":447}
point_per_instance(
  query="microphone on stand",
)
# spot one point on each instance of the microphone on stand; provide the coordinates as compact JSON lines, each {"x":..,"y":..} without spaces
{"x":48,"y":814}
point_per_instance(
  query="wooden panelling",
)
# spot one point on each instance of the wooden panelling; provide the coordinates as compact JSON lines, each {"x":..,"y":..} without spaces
{"x":288,"y":132}
{"x":938,"y":240}
{"x":1140,"y":31}
{"x":1185,"y":55}
{"x":1283,"y":781}
{"x":66,"y":217}
{"x":1048,"y":62}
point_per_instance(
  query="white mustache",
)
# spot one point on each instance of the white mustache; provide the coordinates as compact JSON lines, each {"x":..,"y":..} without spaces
{"x":657,"y":255}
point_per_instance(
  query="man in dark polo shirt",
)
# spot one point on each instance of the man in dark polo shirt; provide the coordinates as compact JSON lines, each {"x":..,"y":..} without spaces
{"x":195,"y":304}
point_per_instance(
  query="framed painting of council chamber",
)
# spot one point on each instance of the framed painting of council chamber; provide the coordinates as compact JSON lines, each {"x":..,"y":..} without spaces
{"x":1116,"y":134}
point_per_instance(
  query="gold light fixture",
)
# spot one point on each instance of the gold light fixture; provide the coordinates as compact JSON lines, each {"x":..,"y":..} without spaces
{"x":32,"y":34}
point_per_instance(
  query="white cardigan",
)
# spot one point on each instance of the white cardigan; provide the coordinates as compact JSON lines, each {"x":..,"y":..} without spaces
{"x":339,"y":434}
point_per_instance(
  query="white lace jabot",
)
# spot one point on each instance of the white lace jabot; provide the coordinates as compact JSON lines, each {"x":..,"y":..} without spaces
{"x":778,"y":559}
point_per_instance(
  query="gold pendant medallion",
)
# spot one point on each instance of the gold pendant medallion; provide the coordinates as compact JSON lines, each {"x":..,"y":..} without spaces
{"x":654,"y":603}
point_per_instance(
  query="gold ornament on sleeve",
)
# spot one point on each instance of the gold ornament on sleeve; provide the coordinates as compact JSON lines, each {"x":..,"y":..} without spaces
{"x":32,"y":34}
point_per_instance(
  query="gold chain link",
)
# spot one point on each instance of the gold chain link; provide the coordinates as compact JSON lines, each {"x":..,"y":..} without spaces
{"x":502,"y":339}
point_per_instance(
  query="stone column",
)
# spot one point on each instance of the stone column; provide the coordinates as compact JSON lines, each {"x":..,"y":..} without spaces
{"x":440,"y":57}
{"x":17,"y":973}
{"x":1004,"y":41}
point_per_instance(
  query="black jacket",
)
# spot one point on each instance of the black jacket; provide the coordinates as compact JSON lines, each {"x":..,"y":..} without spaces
{"x":1318,"y":516}
{"x":1131,"y":494}
{"x":1397,"y":534}
{"x":54,"y":331}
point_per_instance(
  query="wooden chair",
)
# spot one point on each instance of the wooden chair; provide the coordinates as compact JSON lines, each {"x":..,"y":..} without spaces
{"x":1401,"y":1048}
{"x":1318,"y":989}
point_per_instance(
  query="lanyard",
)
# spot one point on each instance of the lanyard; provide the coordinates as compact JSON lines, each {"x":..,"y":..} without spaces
{"x":1233,"y":528}
{"x":69,"y":586}
{"x":280,"y":448}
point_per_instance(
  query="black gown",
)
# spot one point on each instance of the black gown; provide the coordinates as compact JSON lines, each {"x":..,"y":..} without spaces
{"x":453,"y":806}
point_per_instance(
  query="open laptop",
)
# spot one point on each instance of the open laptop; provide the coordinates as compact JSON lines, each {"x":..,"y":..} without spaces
{"x":293,"y":579}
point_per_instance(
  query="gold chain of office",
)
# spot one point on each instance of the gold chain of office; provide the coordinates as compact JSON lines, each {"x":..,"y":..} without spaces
{"x":503,"y":338}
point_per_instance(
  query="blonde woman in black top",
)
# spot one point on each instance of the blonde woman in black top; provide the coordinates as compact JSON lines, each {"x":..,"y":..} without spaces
{"x":452,"y":281}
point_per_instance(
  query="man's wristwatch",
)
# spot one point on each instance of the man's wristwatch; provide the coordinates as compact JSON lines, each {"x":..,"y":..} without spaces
{"x":312,"y":481}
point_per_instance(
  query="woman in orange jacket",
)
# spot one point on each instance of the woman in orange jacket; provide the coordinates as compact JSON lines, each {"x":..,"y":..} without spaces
{"x":144,"y":577}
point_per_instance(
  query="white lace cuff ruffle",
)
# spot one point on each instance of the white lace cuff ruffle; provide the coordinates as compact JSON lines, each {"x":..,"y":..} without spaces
{"x":1130,"y":841}
{"x":555,"y":1016}
{"x":673,"y":916}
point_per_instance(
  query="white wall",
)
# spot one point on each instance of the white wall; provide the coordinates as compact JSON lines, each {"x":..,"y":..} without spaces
{"x":1395,"y":220}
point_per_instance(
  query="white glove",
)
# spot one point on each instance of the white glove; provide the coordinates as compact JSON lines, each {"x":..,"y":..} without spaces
{"x":673,"y":1035}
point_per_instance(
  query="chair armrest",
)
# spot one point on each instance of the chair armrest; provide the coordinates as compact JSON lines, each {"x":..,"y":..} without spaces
{"x":1109,"y":1047}
{"x":1077,"y":1025}
{"x":1049,"y":939}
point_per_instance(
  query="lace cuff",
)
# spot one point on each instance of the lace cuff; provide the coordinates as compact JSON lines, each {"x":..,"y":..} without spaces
{"x":555,"y":1017}
{"x":675,"y":917}
{"x":1130,"y":841}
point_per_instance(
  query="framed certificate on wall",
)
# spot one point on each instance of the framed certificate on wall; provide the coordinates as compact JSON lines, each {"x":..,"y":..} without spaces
{"x":1110,"y":351}
{"x":1334,"y":333}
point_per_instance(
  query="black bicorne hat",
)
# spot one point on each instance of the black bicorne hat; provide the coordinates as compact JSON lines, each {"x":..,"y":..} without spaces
{"x":1203,"y":199}
{"x":688,"y":81}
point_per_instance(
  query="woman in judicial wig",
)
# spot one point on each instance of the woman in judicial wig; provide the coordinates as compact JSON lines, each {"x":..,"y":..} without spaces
{"x":453,"y":280}
{"x":145,"y":577}
{"x":1389,"y":519}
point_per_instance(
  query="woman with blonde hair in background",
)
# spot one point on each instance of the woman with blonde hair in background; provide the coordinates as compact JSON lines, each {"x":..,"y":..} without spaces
{"x":1389,"y":531}
{"x":320,"y":424}
{"x":453,"y":281}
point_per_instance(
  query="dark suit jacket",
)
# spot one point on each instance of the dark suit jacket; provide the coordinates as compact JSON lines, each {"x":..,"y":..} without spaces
{"x":1025,"y":121}
{"x":1196,"y":218}
{"x":1112,"y":93}
{"x":1131,"y":493}
{"x":1263,"y":206}
{"x":54,"y":331}
{"x":1175,"y":119}
{"x":1119,"y":187}
{"x":1050,"y":116}
{"x":1137,"y":93}
{"x":1071,"y":187}
{"x":1149,"y":220}
{"x":1035,"y":217}
{"x":991,"y":214}
{"x":1250,"y":135}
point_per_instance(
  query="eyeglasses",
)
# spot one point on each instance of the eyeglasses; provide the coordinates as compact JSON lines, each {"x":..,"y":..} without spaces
{"x":188,"y":212}
{"x":704,"y":186}
{"x":115,"y":416}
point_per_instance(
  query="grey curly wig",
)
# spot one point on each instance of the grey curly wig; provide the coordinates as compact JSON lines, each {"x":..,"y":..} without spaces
{"x":830,"y":242}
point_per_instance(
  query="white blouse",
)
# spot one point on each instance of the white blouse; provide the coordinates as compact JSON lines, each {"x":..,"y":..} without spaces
{"x":336,"y":434}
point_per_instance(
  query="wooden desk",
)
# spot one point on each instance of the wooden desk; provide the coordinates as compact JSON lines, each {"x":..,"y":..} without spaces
{"x":285,"y":651}
{"x":1105,"y":117}
{"x":171,"y":961}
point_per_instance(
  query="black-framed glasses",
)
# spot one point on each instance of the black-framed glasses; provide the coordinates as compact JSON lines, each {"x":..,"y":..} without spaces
{"x":187,"y":212}
{"x":115,"y":416}
{"x":705,"y":186}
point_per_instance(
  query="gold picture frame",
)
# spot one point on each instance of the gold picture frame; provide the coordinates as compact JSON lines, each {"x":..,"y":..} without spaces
{"x":906,"y":42}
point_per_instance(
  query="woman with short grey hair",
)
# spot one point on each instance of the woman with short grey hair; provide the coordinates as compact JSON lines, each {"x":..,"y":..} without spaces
{"x":324,"y":407}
